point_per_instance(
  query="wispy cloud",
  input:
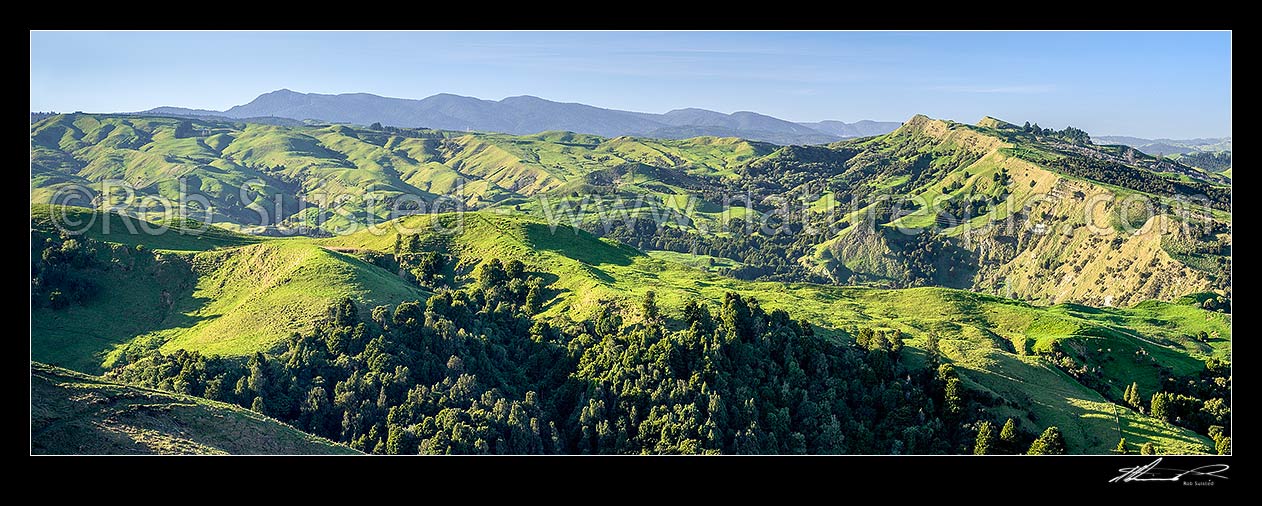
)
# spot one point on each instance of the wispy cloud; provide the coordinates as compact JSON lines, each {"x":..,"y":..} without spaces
{"x":1021,"y":89}
{"x":712,"y":51}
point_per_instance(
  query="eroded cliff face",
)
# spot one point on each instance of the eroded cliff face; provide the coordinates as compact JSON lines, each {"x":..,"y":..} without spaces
{"x":1053,"y":238}
{"x":1068,"y":246}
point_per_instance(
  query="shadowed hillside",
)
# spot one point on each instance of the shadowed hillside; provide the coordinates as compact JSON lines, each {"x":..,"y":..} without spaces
{"x":77,"y":414}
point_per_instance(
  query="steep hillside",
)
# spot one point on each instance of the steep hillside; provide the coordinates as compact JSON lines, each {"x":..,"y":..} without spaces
{"x":76,"y":414}
{"x":1002,"y":346}
{"x":1044,"y":216}
{"x":1029,"y":230}
{"x":237,"y":300}
{"x":230,"y":300}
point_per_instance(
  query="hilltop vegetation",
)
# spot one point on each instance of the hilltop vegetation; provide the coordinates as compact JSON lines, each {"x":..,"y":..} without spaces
{"x":1207,"y":161}
{"x":77,"y":414}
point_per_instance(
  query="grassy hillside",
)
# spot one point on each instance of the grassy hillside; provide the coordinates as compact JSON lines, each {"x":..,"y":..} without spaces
{"x":175,"y":236}
{"x":236,"y":300}
{"x":228,"y":301}
{"x":1019,"y":214}
{"x":1031,"y":264}
{"x":76,"y":414}
{"x":1020,"y":219}
{"x":994,"y":340}
{"x":238,"y":167}
{"x":246,"y":299}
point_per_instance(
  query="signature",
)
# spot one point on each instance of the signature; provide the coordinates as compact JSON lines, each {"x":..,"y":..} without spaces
{"x":1151,"y":472}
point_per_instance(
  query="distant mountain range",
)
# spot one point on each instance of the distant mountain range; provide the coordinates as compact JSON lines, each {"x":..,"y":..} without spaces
{"x":528,"y":115}
{"x":1164,"y":147}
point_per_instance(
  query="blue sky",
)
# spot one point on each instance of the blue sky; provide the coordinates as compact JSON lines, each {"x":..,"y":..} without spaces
{"x":1147,"y":84}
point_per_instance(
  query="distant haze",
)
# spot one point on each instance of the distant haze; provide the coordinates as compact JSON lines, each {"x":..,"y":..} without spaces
{"x":1163,"y":147}
{"x":1146,"y":84}
{"x":528,"y":115}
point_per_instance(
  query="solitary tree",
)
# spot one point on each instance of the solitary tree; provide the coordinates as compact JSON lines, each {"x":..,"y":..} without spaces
{"x":650,"y":306}
{"x":534,"y":299}
{"x":1148,"y":449}
{"x":953,"y":398}
{"x":1160,"y":406}
{"x":1050,"y":442}
{"x":985,"y":443}
{"x":1121,"y":446}
{"x":932,"y":359}
{"x":1224,"y":446}
{"x":1008,"y":436}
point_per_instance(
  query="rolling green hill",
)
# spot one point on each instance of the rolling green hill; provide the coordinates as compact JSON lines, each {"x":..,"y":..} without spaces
{"x":236,"y":298}
{"x":232,"y":166}
{"x":184,"y":237}
{"x":1046,"y":217}
{"x":1020,"y":257}
{"x":76,"y":414}
{"x":242,"y":299}
{"x":997,"y":342}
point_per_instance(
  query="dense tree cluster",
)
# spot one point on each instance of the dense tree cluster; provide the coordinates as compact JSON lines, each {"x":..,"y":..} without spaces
{"x":413,"y":262}
{"x":40,"y":115}
{"x":1200,"y":403}
{"x":1068,"y":134}
{"x":931,"y":259}
{"x":1209,"y":160}
{"x":794,"y":172}
{"x":768,"y":257}
{"x":1138,"y":179}
{"x":961,"y":209}
{"x":62,"y":270}
{"x":469,"y":371}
